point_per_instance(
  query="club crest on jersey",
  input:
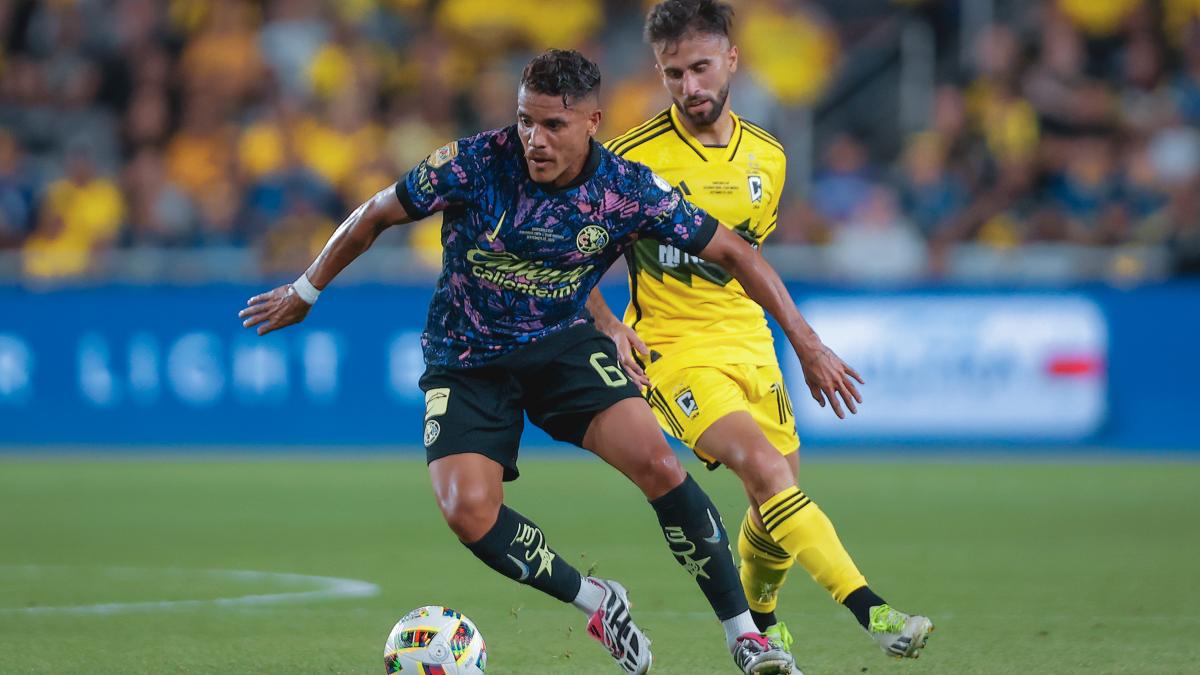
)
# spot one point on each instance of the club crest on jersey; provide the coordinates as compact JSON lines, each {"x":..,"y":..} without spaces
{"x":756,"y":189}
{"x":443,"y":154}
{"x":591,"y":239}
{"x":432,"y":431}
{"x":687,"y":403}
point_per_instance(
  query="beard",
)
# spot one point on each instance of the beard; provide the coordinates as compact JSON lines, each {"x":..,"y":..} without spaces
{"x":714,"y":112}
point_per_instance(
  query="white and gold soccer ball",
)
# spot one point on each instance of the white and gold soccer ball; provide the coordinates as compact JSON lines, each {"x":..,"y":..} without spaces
{"x":435,"y":640}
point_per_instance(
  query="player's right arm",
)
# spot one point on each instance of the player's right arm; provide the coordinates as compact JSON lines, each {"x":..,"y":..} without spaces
{"x":447,"y":177}
{"x":283,"y":306}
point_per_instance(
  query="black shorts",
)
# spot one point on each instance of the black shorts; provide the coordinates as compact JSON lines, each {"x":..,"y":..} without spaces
{"x":562,"y":382}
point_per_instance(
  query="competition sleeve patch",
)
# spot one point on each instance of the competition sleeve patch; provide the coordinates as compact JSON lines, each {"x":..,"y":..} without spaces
{"x":447,"y":176}
{"x":442,"y":155}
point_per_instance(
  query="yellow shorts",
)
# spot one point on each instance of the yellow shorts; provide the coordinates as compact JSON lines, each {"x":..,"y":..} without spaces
{"x":687,"y":402}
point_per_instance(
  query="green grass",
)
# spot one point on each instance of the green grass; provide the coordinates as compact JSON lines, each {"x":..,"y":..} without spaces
{"x":1026,"y":568}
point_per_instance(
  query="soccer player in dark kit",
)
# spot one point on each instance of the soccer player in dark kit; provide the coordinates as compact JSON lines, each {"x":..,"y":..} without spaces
{"x":533,"y":215}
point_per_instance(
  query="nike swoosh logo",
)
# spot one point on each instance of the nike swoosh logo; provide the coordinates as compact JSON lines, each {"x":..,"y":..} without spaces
{"x":492,"y":237}
{"x":716,"y":535}
{"x":522,"y":566}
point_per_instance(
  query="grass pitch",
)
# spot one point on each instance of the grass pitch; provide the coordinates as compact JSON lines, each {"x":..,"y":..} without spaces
{"x":1025,"y":568}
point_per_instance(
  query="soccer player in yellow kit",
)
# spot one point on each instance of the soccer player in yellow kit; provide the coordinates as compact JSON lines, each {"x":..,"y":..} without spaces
{"x":710,"y":370}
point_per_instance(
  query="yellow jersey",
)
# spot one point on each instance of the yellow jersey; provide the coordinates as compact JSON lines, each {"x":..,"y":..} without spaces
{"x":688,"y":311}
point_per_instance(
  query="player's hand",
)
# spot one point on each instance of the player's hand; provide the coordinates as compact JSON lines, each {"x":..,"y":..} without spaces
{"x":274,"y":310}
{"x":627,"y":341}
{"x":828,"y":377}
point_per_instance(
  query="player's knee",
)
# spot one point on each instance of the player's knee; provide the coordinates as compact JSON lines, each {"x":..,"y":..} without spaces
{"x":469,"y":512}
{"x":763,"y":470}
{"x":658,"y":473}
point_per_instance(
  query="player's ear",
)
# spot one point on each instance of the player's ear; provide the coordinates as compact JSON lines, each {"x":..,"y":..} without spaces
{"x":594,"y":121}
{"x":733,"y":58}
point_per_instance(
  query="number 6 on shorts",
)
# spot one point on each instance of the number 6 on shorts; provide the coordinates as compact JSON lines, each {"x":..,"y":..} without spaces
{"x":613,"y":376}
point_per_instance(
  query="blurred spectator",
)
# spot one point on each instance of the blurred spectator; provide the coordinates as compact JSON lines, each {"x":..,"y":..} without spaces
{"x":634,"y":100}
{"x":337,"y":144}
{"x":877,"y":244}
{"x":200,"y":154}
{"x":1087,"y":193}
{"x":69,"y":69}
{"x":17,"y":193}
{"x":792,"y":47}
{"x":288,"y":190}
{"x":844,"y":181}
{"x":995,"y":67}
{"x":1144,"y":103}
{"x":289,"y":41}
{"x":160,"y":214}
{"x":295,"y":238}
{"x":148,"y":120}
{"x":929,"y":192}
{"x":1145,"y":196}
{"x":81,"y":215}
{"x":222,"y":62}
{"x":1068,"y":101}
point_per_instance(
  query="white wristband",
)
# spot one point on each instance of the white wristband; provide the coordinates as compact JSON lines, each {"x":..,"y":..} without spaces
{"x":305,"y":289}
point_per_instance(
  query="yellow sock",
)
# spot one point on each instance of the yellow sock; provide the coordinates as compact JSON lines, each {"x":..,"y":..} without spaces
{"x":764,"y":566}
{"x":799,"y":527}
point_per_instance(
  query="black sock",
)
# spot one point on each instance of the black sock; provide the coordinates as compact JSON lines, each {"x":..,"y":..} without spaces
{"x":516,"y":548}
{"x":697,"y":538}
{"x":860,"y":603}
{"x":764,"y":620}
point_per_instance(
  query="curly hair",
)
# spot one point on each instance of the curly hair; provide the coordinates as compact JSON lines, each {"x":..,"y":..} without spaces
{"x":562,"y":72}
{"x":670,"y":20}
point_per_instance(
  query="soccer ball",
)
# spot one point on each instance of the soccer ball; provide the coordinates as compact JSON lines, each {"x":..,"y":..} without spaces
{"x":435,"y":640}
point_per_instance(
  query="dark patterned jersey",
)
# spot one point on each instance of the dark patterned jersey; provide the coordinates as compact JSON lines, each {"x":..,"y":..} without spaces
{"x":520,"y":258}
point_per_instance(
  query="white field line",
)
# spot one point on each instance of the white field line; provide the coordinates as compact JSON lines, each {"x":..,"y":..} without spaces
{"x":327,"y":588}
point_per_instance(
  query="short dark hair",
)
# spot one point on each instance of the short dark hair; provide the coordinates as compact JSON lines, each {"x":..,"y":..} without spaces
{"x":670,"y":20}
{"x":562,"y":72}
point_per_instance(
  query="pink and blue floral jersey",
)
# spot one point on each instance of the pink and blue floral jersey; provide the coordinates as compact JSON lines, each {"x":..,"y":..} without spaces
{"x":520,"y":258}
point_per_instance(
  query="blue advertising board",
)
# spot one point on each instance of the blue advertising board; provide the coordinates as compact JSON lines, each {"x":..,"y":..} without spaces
{"x":130,"y":366}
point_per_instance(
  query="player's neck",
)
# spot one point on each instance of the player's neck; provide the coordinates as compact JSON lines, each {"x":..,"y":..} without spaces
{"x":717,"y":134}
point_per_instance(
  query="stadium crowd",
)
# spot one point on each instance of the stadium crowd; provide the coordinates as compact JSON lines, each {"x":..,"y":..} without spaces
{"x":201,"y":123}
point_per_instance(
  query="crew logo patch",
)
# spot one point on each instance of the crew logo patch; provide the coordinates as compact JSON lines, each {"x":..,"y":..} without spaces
{"x":756,"y":190}
{"x":443,"y":154}
{"x":687,"y":403}
{"x":591,"y":239}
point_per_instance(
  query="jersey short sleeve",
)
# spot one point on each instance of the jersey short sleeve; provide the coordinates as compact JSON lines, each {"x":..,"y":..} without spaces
{"x":671,"y":218}
{"x":447,"y":177}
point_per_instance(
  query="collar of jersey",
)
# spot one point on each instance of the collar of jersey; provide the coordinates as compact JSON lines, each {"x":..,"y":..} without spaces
{"x":719,"y":153}
{"x":589,"y":169}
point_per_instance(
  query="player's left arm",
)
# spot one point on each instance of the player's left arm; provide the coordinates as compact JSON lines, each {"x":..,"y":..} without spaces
{"x":824,"y":372}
